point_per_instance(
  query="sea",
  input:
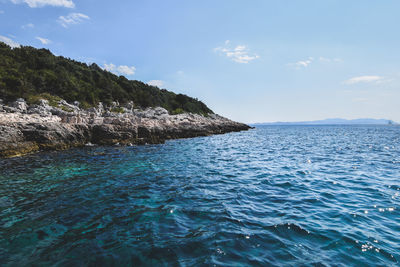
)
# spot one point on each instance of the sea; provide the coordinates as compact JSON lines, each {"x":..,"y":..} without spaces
{"x":270,"y":196}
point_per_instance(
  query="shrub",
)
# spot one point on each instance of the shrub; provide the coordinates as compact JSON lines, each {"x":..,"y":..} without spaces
{"x":35,"y":99}
{"x":67,"y":109}
{"x":178,"y":111}
{"x":118,"y":110}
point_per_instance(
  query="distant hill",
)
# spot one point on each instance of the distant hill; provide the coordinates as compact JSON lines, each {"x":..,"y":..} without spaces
{"x":337,"y":121}
{"x":30,"y":73}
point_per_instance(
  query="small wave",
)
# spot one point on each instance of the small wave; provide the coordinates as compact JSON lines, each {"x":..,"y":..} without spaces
{"x":275,"y":195}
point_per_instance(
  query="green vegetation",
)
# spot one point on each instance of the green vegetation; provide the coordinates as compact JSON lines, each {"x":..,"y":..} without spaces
{"x":34,"y":99}
{"x":178,"y":111}
{"x":118,"y":110}
{"x":34,"y":74}
{"x":67,"y":109}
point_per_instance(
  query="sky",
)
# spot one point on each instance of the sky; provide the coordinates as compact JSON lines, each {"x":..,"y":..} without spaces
{"x":251,"y":61}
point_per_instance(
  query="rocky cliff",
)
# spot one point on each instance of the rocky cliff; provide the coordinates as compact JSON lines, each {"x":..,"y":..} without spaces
{"x":25,"y":129}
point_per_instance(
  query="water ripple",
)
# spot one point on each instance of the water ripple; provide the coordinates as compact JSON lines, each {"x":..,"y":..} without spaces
{"x":290,"y":195}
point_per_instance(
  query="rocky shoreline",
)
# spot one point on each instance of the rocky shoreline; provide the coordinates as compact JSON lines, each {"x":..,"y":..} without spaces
{"x":26,"y":129}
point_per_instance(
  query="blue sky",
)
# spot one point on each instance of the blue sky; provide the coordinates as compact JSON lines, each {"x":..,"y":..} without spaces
{"x":252,"y":61}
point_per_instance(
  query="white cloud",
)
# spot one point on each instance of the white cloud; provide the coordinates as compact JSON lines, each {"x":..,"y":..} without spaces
{"x":1,"y":12}
{"x":365,"y":79}
{"x":157,"y":83}
{"x":239,"y":54}
{"x":43,"y":40}
{"x":120,"y":70}
{"x":126,"y":70}
{"x":302,"y":63}
{"x":26,"y":26}
{"x":9,"y":42}
{"x":110,"y":67}
{"x":324,"y":59}
{"x":310,"y":60}
{"x":72,"y":18}
{"x":42,"y":3}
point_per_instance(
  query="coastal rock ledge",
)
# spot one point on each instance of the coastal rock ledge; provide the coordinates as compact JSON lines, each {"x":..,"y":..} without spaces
{"x":26,"y":129}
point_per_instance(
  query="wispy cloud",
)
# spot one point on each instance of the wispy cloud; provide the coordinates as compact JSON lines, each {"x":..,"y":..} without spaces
{"x":329,"y":60}
{"x":239,"y":53}
{"x":157,"y":83}
{"x":28,"y":26}
{"x":72,"y":18}
{"x":365,"y":79}
{"x":120,"y":70}
{"x":310,"y":60}
{"x":302,"y":63}
{"x":43,"y":40}
{"x":9,"y":42}
{"x":42,"y":3}
{"x":1,"y":12}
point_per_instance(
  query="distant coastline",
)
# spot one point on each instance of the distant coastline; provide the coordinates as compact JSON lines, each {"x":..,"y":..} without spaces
{"x":335,"y":121}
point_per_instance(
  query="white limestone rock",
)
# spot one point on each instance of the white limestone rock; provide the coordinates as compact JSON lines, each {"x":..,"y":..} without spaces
{"x":20,"y":105}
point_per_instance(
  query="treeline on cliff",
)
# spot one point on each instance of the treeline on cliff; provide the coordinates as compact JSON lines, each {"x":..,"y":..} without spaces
{"x":29,"y":73}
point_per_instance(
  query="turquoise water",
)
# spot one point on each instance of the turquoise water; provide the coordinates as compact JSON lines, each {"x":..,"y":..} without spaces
{"x":276,"y":195}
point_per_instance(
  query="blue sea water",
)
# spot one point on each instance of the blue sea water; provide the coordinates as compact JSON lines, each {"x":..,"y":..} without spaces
{"x":275,"y":195}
